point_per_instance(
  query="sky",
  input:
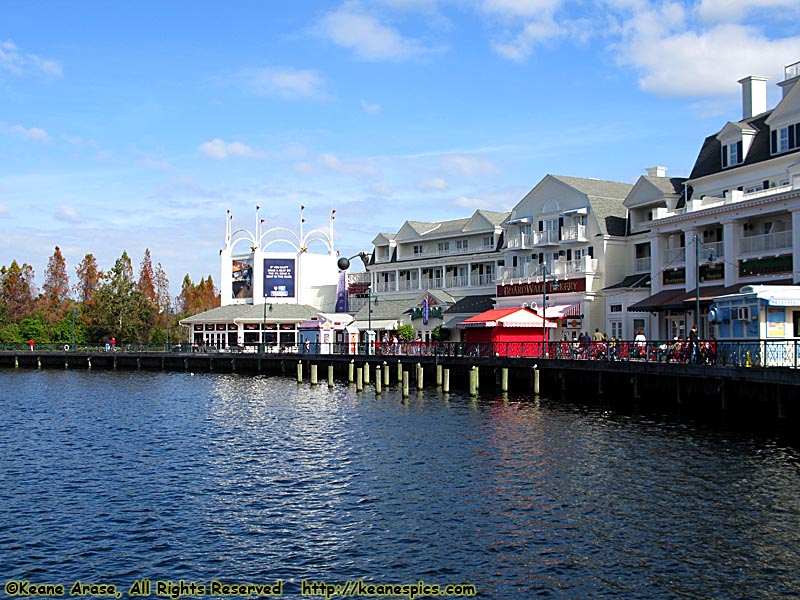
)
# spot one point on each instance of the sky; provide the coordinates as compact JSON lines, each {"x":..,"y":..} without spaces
{"x":127,"y":126}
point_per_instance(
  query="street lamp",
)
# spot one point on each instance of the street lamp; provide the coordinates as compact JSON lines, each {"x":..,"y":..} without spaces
{"x":544,"y":269}
{"x":710,"y":258}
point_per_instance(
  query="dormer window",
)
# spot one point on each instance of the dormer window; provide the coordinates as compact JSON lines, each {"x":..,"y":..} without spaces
{"x":732,"y":154}
{"x":785,"y":138}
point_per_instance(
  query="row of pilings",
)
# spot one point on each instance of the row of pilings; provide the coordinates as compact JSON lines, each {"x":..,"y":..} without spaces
{"x":752,"y":393}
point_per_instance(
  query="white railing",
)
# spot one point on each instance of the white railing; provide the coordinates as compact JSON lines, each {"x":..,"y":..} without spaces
{"x":482,"y":280}
{"x":541,"y":238}
{"x":432,"y":283}
{"x":408,"y":285}
{"x":522,"y":241}
{"x":715,"y":248}
{"x":673,"y":255}
{"x":764,"y":243}
{"x":573,"y":234}
{"x":579,"y":265}
{"x":385,"y":286}
{"x":642,"y":265}
{"x":456,"y":281}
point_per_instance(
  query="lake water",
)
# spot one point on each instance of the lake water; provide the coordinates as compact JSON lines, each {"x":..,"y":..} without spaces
{"x":114,"y":477}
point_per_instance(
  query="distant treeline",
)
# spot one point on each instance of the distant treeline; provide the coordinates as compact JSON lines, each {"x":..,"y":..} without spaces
{"x":100,"y":305}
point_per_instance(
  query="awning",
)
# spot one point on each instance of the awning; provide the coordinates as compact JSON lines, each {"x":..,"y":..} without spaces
{"x":559,"y":311}
{"x":663,"y":300}
{"x":377,"y":324}
{"x":708,"y":293}
{"x":520,"y":220}
{"x":575,"y":211}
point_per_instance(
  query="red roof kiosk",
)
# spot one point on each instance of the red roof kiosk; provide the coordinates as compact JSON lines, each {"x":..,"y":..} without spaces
{"x":506,"y":332}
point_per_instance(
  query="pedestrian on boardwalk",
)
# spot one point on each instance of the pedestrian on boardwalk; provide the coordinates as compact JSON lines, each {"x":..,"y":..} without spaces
{"x":31,"y":343}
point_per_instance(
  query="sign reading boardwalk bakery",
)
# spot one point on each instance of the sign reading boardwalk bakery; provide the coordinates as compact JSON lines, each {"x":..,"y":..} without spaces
{"x":531,"y":289}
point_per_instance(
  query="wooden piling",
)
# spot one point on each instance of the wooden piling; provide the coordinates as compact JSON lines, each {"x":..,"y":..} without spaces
{"x":366,"y":372}
{"x":386,"y":374}
{"x":313,"y":374}
{"x":535,"y":377}
{"x":405,"y":384}
{"x":399,"y":371}
{"x":330,"y":376}
{"x":378,"y":382}
{"x":504,"y":379}
{"x":438,"y":375}
{"x":351,"y":371}
{"x":473,"y":382}
{"x":359,"y":379}
{"x":420,"y":376}
{"x":299,"y":371}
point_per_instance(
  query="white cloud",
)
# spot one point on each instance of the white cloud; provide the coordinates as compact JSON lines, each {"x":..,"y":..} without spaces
{"x":465,"y":202}
{"x":360,"y":170}
{"x":372,"y":109}
{"x":34,"y":134}
{"x":380,"y":189}
{"x":3,"y":211}
{"x":733,"y":11}
{"x":469,"y":166}
{"x":430,"y":185}
{"x":709,"y":62}
{"x":370,"y":39}
{"x":221,"y":150}
{"x":18,"y":63}
{"x":285,"y":82}
{"x":67,"y":213}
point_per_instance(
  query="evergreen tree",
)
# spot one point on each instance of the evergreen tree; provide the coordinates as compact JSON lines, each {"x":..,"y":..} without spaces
{"x":55,"y":297}
{"x":146,"y":283}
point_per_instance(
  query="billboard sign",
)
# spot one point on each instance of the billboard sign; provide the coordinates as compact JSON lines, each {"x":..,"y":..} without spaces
{"x":242,"y":275}
{"x":279,"y":277}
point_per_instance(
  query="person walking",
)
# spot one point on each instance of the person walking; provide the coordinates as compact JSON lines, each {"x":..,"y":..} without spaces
{"x":31,"y":344}
{"x":693,"y":343}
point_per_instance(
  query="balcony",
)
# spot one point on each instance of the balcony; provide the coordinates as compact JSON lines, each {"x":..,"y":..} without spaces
{"x":573,"y":234}
{"x":770,"y":242}
{"x":642,"y":265}
{"x":674,"y":255}
{"x":523,"y":241}
{"x":482,"y":280}
{"x":385,"y":286}
{"x":408,"y":285}
{"x":566,"y":268}
{"x":546,"y":238}
{"x":432,"y":283}
{"x":458,"y":281}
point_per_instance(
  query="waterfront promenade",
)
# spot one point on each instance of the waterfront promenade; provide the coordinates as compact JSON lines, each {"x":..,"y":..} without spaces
{"x":738,"y":378}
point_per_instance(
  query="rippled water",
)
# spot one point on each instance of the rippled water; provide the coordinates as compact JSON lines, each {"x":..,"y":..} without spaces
{"x":114,"y":477}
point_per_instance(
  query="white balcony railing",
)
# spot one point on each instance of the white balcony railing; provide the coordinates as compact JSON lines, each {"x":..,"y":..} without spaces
{"x":522,"y":241}
{"x":571,"y":267}
{"x":765,"y":243}
{"x":408,"y":285}
{"x":674,"y":255}
{"x":457,"y":281}
{"x":642,"y":265}
{"x":573,"y":234}
{"x":385,"y":286}
{"x":482,"y":280}
{"x":543,"y":238}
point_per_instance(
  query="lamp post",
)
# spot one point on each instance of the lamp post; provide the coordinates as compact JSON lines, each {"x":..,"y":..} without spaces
{"x":710,"y":258}
{"x":370,"y":297}
{"x":545,"y":274}
{"x":167,"y":329}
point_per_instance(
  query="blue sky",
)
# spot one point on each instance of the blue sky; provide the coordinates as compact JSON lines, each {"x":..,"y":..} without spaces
{"x":133,"y":125}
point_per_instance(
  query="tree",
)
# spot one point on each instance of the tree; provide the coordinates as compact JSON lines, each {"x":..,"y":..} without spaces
{"x":405,"y":333}
{"x":163,"y":298}
{"x":86,"y":288}
{"x":123,"y":310}
{"x":17,"y":291}
{"x":55,"y":298}
{"x":146,"y":283}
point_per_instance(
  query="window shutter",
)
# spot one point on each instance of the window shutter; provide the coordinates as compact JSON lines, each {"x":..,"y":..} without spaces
{"x":541,"y":257}
{"x":766,"y":184}
{"x":591,"y":251}
{"x":569,"y":253}
{"x":560,"y":226}
{"x":724,"y":156}
{"x":740,"y":188}
{"x":774,"y":141}
{"x":739,"y":151}
{"x":791,"y":137}
{"x":541,"y":225}
{"x":797,"y":133}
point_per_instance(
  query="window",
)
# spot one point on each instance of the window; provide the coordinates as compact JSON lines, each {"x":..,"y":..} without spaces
{"x":444,"y":247}
{"x":753,"y":188}
{"x":785,"y":138}
{"x":615,"y":308}
{"x":462,"y":245}
{"x":616,"y":329}
{"x":419,"y":249}
{"x":488,"y":241}
{"x":732,"y":154}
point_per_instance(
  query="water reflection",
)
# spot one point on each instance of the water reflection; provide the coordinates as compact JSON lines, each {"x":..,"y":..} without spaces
{"x":149,"y":475}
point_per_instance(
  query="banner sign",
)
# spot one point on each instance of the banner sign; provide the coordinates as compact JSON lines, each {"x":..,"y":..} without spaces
{"x":533,"y":289}
{"x":242,"y":275}
{"x":279,"y":277}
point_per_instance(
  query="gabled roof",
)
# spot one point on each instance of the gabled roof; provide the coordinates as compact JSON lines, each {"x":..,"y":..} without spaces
{"x":383,"y":238}
{"x":483,"y":218}
{"x":471,"y":305}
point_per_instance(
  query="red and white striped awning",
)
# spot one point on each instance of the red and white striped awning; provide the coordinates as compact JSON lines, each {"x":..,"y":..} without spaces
{"x":559,"y":311}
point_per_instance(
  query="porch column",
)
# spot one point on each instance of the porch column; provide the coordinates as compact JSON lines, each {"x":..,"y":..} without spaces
{"x":656,"y":260}
{"x":730,"y":244}
{"x":795,"y":247}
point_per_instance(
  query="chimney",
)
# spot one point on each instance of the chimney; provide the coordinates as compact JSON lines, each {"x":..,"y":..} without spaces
{"x":657,"y":171}
{"x":754,"y":95}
